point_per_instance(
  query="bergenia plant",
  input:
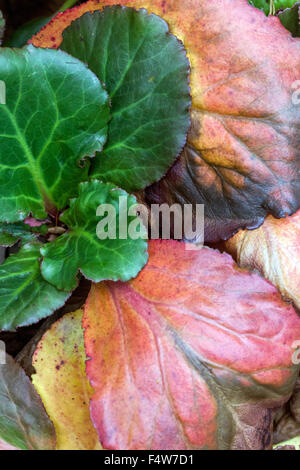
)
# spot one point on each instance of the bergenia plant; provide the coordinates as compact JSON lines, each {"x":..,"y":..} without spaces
{"x":175,"y":346}
{"x":68,"y":147}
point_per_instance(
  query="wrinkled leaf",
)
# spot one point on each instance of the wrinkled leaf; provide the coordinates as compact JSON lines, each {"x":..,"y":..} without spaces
{"x":23,"y":421}
{"x":274,"y":250}
{"x":62,"y":121}
{"x":61,"y":381}
{"x":145,"y":71}
{"x":25,"y":297}
{"x":199,"y":349}
{"x":81,"y":249}
{"x":290,"y":18}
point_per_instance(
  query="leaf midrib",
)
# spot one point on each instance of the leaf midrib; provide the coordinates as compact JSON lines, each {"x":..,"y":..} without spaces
{"x":34,"y":168}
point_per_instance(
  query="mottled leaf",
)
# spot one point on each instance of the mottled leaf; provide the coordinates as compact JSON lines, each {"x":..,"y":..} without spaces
{"x":61,"y":122}
{"x":273,"y":250}
{"x":25,"y":297}
{"x":145,"y":71}
{"x":290,"y":18}
{"x":80,"y":248}
{"x":23,"y":421}
{"x":61,"y":381}
{"x":200,"y":351}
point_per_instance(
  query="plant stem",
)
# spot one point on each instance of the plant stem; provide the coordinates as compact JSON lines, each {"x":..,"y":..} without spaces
{"x":272,"y":8}
{"x":68,"y":4}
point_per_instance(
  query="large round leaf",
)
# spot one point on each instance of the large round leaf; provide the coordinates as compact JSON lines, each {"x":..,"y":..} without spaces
{"x":145,"y":71}
{"x":198,"y":349}
{"x":56,"y":113}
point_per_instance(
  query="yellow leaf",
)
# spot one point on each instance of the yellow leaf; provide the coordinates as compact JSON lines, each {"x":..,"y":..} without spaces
{"x":61,"y":381}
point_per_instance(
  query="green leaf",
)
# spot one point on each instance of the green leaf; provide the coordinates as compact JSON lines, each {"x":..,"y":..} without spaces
{"x":6,"y":239}
{"x":12,"y":233}
{"x":81,"y":249}
{"x":290,"y":18}
{"x":145,"y":71}
{"x":21,"y":36}
{"x":23,"y":419}
{"x":271,"y":7}
{"x":25,"y":297}
{"x":56,"y":113}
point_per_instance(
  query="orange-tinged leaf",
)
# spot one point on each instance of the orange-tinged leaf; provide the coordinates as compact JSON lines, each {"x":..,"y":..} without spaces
{"x":61,"y":381}
{"x":274,"y":250}
{"x":198,"y":349}
{"x":242,"y":159}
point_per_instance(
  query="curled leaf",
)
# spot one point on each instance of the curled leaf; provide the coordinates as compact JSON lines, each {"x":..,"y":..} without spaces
{"x":273,"y":250}
{"x":200,"y":351}
{"x":61,"y":381}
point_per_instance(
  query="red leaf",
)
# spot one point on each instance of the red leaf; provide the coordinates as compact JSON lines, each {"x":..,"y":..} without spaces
{"x":192,"y":354}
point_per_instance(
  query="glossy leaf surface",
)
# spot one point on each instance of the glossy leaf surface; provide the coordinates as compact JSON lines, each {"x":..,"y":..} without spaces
{"x":45,"y":134}
{"x":145,"y":71}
